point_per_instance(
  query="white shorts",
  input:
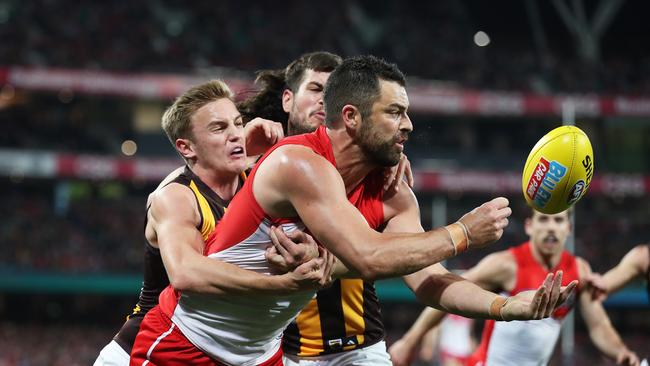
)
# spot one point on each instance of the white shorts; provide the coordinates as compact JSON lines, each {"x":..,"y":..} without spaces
{"x":112,"y":355}
{"x":375,"y":355}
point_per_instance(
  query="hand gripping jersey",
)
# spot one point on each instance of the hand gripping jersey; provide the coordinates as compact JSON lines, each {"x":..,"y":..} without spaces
{"x":246,"y":330}
{"x":526,"y":343}
{"x":211,"y":208}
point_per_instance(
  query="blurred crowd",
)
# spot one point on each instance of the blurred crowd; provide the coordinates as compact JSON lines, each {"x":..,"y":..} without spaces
{"x":96,"y":227}
{"x":40,"y":345}
{"x":85,"y":232}
{"x":432,"y":40}
{"x":99,"y":125}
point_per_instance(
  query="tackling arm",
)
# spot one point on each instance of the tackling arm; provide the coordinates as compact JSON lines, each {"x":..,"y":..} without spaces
{"x":601,"y":331}
{"x":172,"y":221}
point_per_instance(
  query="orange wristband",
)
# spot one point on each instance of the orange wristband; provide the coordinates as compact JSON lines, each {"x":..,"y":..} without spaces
{"x":496,"y":306}
{"x":459,"y":238}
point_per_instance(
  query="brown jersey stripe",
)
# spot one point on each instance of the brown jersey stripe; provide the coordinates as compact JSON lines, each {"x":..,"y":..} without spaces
{"x":343,"y":317}
{"x":331,"y":317}
{"x":374,"y":331}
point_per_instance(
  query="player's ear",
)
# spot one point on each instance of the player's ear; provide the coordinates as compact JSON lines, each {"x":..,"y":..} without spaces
{"x":287,"y":100}
{"x":351,"y":117}
{"x":527,"y":225}
{"x":185,"y":148}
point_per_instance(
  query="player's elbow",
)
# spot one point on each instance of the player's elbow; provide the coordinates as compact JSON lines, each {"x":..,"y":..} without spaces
{"x":182,"y":281}
{"x":367,"y":268}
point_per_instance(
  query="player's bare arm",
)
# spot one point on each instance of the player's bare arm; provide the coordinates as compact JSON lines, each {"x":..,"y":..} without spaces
{"x":633,"y":265}
{"x":601,"y":331}
{"x":173,"y":218}
{"x":437,"y":287}
{"x":296,"y":181}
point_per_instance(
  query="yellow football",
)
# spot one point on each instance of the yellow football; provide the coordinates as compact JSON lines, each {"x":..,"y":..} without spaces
{"x":558,"y":170}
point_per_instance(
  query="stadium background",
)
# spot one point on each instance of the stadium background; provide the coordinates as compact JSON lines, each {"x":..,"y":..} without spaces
{"x":83,"y":86}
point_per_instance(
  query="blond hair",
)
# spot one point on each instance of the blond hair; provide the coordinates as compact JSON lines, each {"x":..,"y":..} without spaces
{"x":176,"y":121}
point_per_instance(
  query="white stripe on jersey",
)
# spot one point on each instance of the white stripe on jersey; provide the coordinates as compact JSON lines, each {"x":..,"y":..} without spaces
{"x":240,"y":330}
{"x":523,"y":343}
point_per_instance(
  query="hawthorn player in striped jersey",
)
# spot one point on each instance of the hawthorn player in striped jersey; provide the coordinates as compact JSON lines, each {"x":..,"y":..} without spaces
{"x":207,"y":130}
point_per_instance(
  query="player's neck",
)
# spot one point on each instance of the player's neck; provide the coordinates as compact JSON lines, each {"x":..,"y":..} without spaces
{"x":547,"y":261}
{"x":350,"y":159}
{"x":224,"y":185}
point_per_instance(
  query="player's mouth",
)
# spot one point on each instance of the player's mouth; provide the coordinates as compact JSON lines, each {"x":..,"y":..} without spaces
{"x":320,"y":115}
{"x":550,"y":240}
{"x":400,"y":143}
{"x":237,"y":152}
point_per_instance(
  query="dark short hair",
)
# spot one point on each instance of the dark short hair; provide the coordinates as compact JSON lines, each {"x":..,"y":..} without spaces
{"x":356,"y":82}
{"x":320,"y":61}
{"x":267,"y":102}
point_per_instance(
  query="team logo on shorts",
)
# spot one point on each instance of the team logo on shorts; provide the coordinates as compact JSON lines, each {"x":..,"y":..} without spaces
{"x":543,"y":181}
{"x":576,"y":191}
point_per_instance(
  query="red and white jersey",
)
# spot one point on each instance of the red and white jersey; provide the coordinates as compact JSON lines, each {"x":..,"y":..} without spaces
{"x":247,"y":330}
{"x":456,"y":336}
{"x":523,"y":343}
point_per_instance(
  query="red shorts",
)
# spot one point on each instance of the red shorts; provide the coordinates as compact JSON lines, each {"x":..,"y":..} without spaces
{"x":160,"y":342}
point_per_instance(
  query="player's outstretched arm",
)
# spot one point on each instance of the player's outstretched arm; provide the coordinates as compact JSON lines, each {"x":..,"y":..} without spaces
{"x":293,"y":180}
{"x":403,"y":351}
{"x":172,"y":223}
{"x":634,"y":264}
{"x":601,"y":331}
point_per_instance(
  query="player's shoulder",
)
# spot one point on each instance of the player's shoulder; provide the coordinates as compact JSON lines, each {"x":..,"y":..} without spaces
{"x":295,"y":162}
{"x":172,"y":197}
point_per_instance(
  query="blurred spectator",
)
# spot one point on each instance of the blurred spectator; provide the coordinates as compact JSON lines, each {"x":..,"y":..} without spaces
{"x":427,"y":39}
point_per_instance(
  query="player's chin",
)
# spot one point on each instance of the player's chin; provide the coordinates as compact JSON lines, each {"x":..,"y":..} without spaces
{"x":236,"y":166}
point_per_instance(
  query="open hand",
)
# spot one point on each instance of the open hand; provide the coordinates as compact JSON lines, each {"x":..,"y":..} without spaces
{"x":539,"y":304}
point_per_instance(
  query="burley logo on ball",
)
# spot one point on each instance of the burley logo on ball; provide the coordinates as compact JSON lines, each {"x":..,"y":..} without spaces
{"x":543,"y":181}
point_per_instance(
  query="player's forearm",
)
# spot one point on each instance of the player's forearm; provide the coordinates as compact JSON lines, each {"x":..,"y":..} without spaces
{"x":453,"y":294}
{"x":617,"y":278}
{"x":210,"y":276}
{"x":428,"y":319}
{"x":342,"y":271}
{"x":398,"y":254}
{"x":607,"y":339}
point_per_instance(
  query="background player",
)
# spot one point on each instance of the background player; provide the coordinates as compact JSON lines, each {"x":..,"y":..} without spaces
{"x":518,"y":269}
